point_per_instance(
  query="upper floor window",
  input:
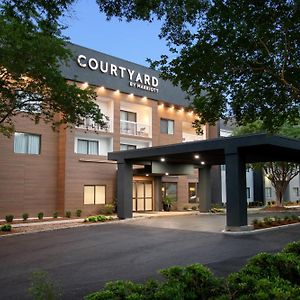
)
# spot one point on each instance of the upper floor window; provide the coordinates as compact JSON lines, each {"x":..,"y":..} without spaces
{"x":27,"y":143}
{"x":128,"y":116}
{"x":167,"y":126}
{"x":127,"y":147}
{"x":87,"y":147}
{"x":268,"y":192}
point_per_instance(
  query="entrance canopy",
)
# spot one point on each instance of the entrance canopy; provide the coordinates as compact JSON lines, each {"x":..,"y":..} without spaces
{"x":254,"y":148}
{"x":234,"y":152}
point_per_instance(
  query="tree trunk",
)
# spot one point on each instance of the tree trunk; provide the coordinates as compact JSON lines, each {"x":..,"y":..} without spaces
{"x":280,"y":188}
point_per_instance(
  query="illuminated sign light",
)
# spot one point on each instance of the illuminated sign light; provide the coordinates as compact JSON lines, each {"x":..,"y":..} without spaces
{"x":136,"y":79}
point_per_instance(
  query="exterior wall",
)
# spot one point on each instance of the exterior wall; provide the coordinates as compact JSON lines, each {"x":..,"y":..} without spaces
{"x":29,"y":182}
{"x":54,"y":180}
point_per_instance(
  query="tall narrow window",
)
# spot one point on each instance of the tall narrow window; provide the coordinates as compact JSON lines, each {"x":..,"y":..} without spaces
{"x":248,"y":193}
{"x":193,"y":192}
{"x":268,"y":192}
{"x":27,"y":143}
{"x":166,"y":126}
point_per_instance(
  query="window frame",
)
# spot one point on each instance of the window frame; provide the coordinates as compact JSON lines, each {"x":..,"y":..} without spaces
{"x":95,"y":187}
{"x":88,"y":140}
{"x":131,"y":145}
{"x":27,"y":135}
{"x":168,"y":121}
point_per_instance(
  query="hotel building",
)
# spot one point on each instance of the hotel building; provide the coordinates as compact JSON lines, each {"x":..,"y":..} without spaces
{"x":47,"y":171}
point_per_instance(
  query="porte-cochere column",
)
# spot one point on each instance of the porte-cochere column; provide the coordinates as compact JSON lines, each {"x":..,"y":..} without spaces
{"x":236,"y":206}
{"x":124,"y":189}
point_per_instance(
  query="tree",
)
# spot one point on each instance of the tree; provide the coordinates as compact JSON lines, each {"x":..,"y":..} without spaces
{"x":236,"y":59}
{"x":279,"y":173}
{"x":31,"y":51}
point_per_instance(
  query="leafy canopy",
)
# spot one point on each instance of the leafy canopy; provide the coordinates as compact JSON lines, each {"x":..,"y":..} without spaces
{"x":236,"y":59}
{"x":31,"y":51}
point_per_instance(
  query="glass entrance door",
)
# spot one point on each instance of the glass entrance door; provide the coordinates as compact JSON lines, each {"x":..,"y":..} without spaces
{"x":142,"y":196}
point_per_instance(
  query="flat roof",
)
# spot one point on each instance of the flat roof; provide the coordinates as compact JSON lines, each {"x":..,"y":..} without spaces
{"x":254,"y":148}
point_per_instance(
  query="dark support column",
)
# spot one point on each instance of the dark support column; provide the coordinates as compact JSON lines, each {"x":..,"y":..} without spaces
{"x":216,"y":187}
{"x":204,"y":189}
{"x":124,"y":190}
{"x":236,"y":192}
{"x":258,"y":186}
{"x":157,"y":193}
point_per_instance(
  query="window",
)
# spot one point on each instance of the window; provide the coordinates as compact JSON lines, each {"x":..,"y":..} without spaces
{"x":127,"y":147}
{"x":94,"y":194}
{"x":248,"y":193}
{"x":166,"y":126}
{"x":27,"y":143}
{"x":128,"y":116}
{"x":296,"y":191}
{"x":193,"y":192}
{"x":169,"y":189}
{"x":87,"y":147}
{"x":268,"y":192}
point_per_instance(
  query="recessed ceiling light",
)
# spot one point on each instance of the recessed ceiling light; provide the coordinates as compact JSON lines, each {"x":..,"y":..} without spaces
{"x":147,"y":175}
{"x":167,"y":174}
{"x":162,"y":159}
{"x":196,"y":156}
{"x":202,"y":162}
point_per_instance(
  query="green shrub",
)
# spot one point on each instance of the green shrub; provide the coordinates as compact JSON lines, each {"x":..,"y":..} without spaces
{"x":9,"y":218}
{"x":292,"y":248}
{"x":98,"y":218}
{"x":107,"y":209}
{"x":42,"y":287}
{"x":78,"y":213}
{"x":191,"y":282}
{"x":5,"y":227}
{"x":55,"y":215}
{"x":68,"y":214}
{"x":40,"y":215}
{"x":25,"y":216}
{"x":118,"y":290}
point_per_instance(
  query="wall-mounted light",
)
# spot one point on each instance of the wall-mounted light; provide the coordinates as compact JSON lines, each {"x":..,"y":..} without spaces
{"x":131,"y":95}
{"x":85,"y":85}
{"x":147,"y":175}
{"x":117,"y":91}
{"x":161,"y":106}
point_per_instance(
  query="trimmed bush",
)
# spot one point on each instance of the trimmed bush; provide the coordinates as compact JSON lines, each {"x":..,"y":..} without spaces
{"x":5,"y":227}
{"x":107,"y":209}
{"x":78,"y":213}
{"x":40,"y":215}
{"x":293,"y":248}
{"x":68,"y":214}
{"x":98,"y":218}
{"x":55,"y":215}
{"x":9,"y":218}
{"x":25,"y":216}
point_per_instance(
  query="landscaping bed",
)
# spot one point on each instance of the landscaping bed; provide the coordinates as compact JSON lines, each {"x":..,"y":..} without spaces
{"x":275,"y":221}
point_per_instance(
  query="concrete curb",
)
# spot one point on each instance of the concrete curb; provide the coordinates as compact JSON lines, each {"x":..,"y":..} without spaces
{"x":257,"y":231}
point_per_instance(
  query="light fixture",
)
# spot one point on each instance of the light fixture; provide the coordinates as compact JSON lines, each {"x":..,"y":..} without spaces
{"x":162,"y":159}
{"x":85,"y":85}
{"x":131,"y":95}
{"x":196,"y":156}
{"x":202,"y":162}
{"x":161,"y":105}
{"x":117,"y":91}
{"x":144,"y":98}
{"x":147,"y":175}
{"x":167,"y":174}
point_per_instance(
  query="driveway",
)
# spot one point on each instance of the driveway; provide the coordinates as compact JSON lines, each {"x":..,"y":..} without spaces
{"x":82,"y":259}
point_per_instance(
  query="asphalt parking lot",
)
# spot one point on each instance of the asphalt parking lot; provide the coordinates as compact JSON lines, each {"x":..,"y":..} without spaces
{"x":82,"y":259}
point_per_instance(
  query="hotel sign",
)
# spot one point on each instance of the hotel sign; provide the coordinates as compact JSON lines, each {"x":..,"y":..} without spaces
{"x":135,"y":79}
